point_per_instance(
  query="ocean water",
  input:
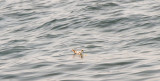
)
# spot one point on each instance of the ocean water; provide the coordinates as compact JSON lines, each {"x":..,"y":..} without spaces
{"x":121,"y":40}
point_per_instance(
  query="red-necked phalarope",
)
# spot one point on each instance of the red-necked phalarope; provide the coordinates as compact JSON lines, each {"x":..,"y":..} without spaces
{"x":78,"y":53}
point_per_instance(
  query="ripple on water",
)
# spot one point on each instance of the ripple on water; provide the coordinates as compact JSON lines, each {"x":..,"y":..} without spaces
{"x":12,"y":50}
{"x":148,"y":72}
{"x":101,"y":6}
{"x":110,"y":22}
{"x":104,"y":66}
{"x":67,"y":67}
{"x":9,"y":76}
{"x":51,"y":36}
{"x":1,"y":18}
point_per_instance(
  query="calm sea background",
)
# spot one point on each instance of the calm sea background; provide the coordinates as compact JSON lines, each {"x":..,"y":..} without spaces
{"x":121,"y":39}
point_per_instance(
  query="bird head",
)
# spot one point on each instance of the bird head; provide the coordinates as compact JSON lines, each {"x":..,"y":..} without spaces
{"x":81,"y":50}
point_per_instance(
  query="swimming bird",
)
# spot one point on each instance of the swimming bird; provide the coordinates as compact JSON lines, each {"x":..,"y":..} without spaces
{"x":77,"y":53}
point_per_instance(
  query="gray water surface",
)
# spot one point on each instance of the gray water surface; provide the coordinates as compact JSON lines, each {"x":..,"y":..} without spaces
{"x":121,"y":39}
